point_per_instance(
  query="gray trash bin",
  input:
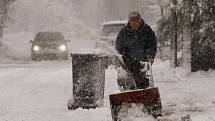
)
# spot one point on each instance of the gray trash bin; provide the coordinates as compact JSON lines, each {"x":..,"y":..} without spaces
{"x":88,"y":80}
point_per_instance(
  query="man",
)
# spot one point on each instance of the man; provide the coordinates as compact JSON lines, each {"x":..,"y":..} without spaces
{"x":136,"y":42}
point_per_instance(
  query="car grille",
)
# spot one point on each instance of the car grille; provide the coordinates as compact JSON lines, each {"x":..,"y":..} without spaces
{"x":52,"y":46}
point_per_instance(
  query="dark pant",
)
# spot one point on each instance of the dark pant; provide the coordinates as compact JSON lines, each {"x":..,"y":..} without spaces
{"x":134,"y":67}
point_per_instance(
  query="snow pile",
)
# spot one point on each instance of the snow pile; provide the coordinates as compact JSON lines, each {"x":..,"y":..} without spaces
{"x":18,"y":48}
{"x":184,"y":93}
{"x":163,"y":72}
{"x":3,"y":49}
{"x":134,"y":113}
{"x":89,"y":51}
{"x":7,"y":55}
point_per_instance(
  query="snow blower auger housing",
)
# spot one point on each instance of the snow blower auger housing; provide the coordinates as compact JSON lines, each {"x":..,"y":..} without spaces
{"x":149,"y":98}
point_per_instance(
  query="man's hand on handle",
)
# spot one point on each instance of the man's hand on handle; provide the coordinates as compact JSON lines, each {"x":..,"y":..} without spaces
{"x":150,"y":59}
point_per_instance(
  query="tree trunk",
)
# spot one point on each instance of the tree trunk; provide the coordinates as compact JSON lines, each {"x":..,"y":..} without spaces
{"x":162,"y":11}
{"x":1,"y":31}
{"x":186,"y":49}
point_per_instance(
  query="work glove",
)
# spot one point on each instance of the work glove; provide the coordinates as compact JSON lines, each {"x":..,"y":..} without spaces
{"x":150,"y":59}
{"x":120,"y":58}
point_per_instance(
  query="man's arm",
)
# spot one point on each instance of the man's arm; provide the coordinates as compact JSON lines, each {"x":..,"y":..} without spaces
{"x":120,"y":45}
{"x":152,"y":43}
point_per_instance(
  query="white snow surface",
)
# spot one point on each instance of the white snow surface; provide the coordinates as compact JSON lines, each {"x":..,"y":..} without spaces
{"x":39,"y":91}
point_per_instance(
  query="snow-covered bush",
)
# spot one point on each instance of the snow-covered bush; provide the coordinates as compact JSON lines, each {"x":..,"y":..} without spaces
{"x":5,"y":52}
{"x":193,"y":23}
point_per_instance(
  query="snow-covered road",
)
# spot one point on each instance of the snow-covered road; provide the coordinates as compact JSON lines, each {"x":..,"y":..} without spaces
{"x":39,"y":91}
{"x":35,"y":91}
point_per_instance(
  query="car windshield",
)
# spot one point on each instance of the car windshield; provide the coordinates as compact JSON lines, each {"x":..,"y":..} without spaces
{"x":112,"y":29}
{"x":49,"y":36}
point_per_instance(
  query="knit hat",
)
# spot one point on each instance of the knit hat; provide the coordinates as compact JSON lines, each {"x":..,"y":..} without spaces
{"x":133,"y":14}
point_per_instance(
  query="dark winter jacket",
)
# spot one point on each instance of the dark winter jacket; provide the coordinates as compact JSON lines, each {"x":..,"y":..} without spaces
{"x":136,"y":44}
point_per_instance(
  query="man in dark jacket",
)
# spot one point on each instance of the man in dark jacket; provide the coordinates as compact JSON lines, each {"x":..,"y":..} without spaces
{"x":136,"y":42}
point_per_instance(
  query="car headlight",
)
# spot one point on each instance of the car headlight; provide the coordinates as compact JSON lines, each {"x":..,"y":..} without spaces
{"x":62,"y":47}
{"x":36,"y":48}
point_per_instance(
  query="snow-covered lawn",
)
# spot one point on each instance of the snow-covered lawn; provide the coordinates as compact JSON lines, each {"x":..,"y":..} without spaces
{"x":39,"y":91}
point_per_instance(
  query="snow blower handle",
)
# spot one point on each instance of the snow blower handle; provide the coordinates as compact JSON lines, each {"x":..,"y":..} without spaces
{"x":151,"y":81}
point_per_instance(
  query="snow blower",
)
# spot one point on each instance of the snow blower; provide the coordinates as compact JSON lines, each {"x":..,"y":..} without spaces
{"x":149,"y":97}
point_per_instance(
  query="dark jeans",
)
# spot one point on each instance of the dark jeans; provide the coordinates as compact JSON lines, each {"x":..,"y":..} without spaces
{"x":134,"y":67}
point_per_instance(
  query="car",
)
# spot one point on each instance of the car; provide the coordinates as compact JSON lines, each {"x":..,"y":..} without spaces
{"x":109,"y":32}
{"x":49,"y":46}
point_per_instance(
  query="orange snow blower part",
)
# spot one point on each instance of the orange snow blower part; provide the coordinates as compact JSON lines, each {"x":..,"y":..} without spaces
{"x":150,"y":98}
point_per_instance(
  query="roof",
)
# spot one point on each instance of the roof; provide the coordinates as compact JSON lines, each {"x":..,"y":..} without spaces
{"x":115,"y":22}
{"x":48,"y":35}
